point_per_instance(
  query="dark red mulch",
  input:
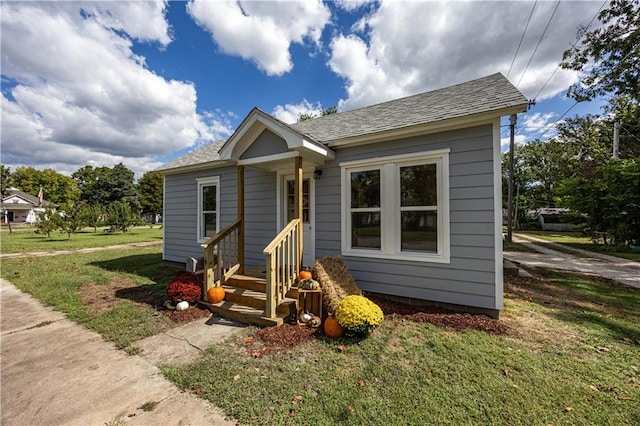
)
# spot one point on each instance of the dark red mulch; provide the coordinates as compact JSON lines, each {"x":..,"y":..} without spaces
{"x":191,"y":314}
{"x":287,"y":336}
{"x":440,"y":317}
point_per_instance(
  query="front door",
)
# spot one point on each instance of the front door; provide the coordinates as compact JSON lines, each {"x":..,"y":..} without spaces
{"x":308,"y":214}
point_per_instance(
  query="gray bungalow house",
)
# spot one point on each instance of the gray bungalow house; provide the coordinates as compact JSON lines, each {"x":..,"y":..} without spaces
{"x":407,"y":191}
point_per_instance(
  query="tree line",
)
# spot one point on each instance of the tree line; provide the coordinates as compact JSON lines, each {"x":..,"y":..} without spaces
{"x":91,"y":196}
{"x":576,"y":169}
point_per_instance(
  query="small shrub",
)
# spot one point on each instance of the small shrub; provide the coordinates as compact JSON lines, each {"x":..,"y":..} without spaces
{"x":357,"y":315}
{"x":185,"y":286}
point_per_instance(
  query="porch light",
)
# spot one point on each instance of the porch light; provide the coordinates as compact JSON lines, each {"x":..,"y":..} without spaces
{"x":317,"y":173}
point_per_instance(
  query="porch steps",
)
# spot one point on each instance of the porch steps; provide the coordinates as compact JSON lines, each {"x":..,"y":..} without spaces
{"x":246,"y":300}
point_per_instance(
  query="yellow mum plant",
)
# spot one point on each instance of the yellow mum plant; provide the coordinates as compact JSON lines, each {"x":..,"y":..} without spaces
{"x":357,"y":315}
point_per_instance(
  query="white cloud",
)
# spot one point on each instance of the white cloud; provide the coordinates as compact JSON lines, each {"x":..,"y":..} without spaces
{"x":351,"y":5}
{"x":411,"y":47}
{"x":76,"y":92}
{"x":261,"y":32}
{"x":289,"y":113}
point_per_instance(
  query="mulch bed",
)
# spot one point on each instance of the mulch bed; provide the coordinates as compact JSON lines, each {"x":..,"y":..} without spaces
{"x":193,"y":313}
{"x":287,"y":337}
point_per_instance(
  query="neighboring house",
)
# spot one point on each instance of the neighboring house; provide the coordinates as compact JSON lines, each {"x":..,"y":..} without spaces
{"x":20,"y":207}
{"x":551,"y":219}
{"x":407,"y":191}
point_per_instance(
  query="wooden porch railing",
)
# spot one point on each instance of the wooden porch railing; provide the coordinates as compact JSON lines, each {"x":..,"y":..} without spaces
{"x":284,"y":258}
{"x":221,"y":256}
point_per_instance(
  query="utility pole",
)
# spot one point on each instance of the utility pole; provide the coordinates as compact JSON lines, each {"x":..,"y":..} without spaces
{"x":510,"y":200}
{"x":616,"y":138}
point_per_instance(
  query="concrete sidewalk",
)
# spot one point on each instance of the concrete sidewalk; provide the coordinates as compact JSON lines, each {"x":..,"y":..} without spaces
{"x":616,"y":269}
{"x":56,"y":372}
{"x":78,"y":250}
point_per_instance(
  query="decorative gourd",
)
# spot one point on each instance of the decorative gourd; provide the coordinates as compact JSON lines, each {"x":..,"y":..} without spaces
{"x":215,"y":294}
{"x":304,"y":275}
{"x":308,"y":284}
{"x":182,"y":306}
{"x":332,"y":327}
{"x":314,"y":322}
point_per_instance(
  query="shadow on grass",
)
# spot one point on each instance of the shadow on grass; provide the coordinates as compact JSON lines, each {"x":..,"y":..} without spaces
{"x":149,"y":266}
{"x":583,"y":300}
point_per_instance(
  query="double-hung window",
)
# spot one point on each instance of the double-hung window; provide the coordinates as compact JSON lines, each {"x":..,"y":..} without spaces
{"x":208,"y":207}
{"x":397,"y":207}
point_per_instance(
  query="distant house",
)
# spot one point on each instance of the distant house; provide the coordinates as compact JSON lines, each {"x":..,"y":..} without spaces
{"x":551,"y":219}
{"x":20,"y":207}
{"x":408,"y":192}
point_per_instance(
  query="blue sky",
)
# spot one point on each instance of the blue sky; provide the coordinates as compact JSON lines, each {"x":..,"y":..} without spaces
{"x":88,"y":83}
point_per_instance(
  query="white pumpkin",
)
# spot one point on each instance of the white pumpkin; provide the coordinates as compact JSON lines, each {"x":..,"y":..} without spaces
{"x":182,"y":306}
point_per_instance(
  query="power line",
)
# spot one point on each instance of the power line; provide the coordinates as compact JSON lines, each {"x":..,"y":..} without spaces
{"x":572,"y":46}
{"x":539,"y":41}
{"x":522,"y":38}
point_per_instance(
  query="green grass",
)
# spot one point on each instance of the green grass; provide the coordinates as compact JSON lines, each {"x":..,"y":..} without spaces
{"x":511,"y":246}
{"x":566,"y":361}
{"x":26,"y":241}
{"x":581,"y":241}
{"x":56,"y":281}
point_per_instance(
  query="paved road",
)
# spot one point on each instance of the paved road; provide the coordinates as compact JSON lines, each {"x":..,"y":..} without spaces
{"x":56,"y":372}
{"x":616,"y":269}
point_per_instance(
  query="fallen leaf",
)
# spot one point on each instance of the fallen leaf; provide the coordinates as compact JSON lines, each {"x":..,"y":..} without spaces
{"x":292,"y":412}
{"x":623,"y":398}
{"x":603,"y":349}
{"x":296,"y":399}
{"x":248,"y":340}
{"x":353,"y":410}
{"x":567,"y":409}
{"x":197,"y":391}
{"x":360,"y":383}
{"x":236,"y":377}
{"x":627,"y":340}
{"x":505,"y":371}
{"x":256,"y":354}
{"x":340,"y":348}
{"x":594,"y":388}
{"x":131,"y":415}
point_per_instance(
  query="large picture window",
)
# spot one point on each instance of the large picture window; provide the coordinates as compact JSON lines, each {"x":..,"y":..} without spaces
{"x":397,"y":207}
{"x":208,"y":207}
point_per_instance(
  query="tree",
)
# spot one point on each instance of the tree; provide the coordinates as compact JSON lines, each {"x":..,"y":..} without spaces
{"x":120,"y":216}
{"x":608,"y":54}
{"x":6,"y":180}
{"x":104,"y":185}
{"x":150,"y":193}
{"x":48,"y":221}
{"x":71,"y":217}
{"x":57,"y":188}
{"x":93,"y":216}
{"x":323,"y":111}
{"x":610,"y":202}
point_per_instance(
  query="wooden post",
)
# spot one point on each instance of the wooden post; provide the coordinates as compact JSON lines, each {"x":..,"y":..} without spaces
{"x":298,"y":209}
{"x":270,"y":309}
{"x":208,"y":270}
{"x":241,"y":217}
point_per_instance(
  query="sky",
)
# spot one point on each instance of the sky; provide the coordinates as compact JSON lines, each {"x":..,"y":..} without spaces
{"x":141,"y":83}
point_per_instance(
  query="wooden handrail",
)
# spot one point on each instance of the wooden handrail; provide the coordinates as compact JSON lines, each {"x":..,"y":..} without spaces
{"x":220,"y":235}
{"x":221,"y":256}
{"x":278,"y":239}
{"x":284,"y":259}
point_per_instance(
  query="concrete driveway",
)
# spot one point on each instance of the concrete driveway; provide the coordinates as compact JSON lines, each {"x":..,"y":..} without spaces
{"x":56,"y":372}
{"x":620,"y":270}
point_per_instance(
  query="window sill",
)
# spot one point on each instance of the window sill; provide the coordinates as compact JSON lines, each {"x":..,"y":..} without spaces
{"x":404,"y":256}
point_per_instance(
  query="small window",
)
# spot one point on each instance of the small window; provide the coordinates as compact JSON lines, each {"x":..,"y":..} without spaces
{"x":208,"y":207}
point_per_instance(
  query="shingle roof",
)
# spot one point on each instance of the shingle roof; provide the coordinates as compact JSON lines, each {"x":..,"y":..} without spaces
{"x":34,"y":201}
{"x":491,"y":93}
{"x":485,"y":94}
{"x":205,"y":154}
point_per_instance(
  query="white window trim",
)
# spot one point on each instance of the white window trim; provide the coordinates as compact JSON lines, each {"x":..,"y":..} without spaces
{"x":207,"y":181}
{"x":390,"y":205}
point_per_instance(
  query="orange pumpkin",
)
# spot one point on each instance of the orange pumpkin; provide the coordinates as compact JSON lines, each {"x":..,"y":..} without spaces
{"x":304,"y":275}
{"x":332,"y":327}
{"x":215,"y":294}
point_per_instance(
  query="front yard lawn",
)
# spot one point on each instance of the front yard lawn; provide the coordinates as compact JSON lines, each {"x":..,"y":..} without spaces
{"x":23,"y":240}
{"x":571,"y":354}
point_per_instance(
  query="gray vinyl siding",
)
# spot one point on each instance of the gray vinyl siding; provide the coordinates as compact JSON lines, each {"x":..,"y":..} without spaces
{"x":268,"y":143}
{"x":470,"y":277}
{"x":181,"y":210}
